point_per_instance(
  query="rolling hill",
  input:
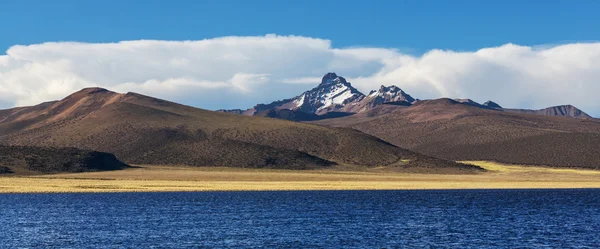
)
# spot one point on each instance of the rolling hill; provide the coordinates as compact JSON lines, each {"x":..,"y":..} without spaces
{"x":461,"y":131}
{"x":143,"y":130}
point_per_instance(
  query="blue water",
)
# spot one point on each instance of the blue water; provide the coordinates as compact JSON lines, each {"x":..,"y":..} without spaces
{"x":352,"y":219}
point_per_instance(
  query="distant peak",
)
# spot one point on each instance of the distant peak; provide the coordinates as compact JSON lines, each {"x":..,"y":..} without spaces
{"x":466,"y":101}
{"x":440,"y":101}
{"x":567,"y":106}
{"x":565,"y":110}
{"x":392,"y":88}
{"x":391,"y":94}
{"x":93,"y":90}
{"x":332,"y":78}
{"x":90,"y":91}
{"x":492,"y":104}
{"x":463,"y":100}
{"x":329,"y":76}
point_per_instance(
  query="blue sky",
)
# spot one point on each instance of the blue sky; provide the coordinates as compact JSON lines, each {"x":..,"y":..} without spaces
{"x":520,"y":54}
{"x":412,"y":26}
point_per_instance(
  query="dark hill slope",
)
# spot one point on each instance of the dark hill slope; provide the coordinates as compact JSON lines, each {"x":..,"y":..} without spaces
{"x":31,"y":160}
{"x":448,"y":129}
{"x":145,"y":130}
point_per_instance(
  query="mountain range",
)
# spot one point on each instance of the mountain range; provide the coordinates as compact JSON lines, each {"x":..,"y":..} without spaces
{"x":336,"y":97}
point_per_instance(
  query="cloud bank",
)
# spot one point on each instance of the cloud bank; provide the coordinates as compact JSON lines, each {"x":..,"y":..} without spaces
{"x":238,"y":72}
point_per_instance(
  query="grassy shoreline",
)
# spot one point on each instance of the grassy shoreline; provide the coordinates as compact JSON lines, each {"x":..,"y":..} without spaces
{"x":181,"y":179}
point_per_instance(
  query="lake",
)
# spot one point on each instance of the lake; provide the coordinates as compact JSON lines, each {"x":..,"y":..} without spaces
{"x":309,"y":219}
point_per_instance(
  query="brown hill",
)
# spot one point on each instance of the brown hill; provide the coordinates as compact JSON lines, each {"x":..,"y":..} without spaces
{"x":32,"y":160}
{"x":448,"y":129}
{"x":143,"y":130}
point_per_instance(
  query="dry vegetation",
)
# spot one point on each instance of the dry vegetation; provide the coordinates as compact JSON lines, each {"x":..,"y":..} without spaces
{"x":167,"y":178}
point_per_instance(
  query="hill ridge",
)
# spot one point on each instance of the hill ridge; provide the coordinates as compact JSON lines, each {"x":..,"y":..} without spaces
{"x":457,"y":131}
{"x":146,"y":130}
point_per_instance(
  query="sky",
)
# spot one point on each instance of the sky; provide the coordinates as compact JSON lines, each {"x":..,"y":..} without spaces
{"x":234,"y":54}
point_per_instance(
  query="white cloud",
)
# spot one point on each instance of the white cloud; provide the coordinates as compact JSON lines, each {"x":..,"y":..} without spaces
{"x":248,"y":82}
{"x":514,"y":76}
{"x":238,"y":72}
{"x":302,"y":80}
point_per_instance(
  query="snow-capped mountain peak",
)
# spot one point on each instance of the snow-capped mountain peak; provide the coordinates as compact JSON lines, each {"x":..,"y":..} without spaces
{"x":333,"y":93}
{"x":332,"y":78}
{"x":391,"y":94}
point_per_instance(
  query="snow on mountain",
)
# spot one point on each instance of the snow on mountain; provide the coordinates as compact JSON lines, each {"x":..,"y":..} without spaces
{"x":333,"y":95}
{"x":375,"y":98}
{"x":391,"y":94}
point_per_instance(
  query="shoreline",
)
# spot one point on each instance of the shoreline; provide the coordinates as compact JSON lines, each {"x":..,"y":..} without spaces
{"x":204,"y":179}
{"x":296,"y":190}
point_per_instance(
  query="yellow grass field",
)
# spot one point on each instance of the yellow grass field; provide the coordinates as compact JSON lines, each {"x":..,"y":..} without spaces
{"x":166,"y":178}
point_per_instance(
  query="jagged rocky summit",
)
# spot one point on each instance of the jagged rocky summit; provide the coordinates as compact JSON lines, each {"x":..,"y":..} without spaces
{"x":333,"y":97}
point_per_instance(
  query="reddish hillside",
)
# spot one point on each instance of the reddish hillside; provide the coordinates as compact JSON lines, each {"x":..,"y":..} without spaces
{"x":448,"y":129}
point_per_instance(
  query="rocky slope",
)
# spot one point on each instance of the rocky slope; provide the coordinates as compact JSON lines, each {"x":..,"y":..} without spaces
{"x":333,"y":97}
{"x":333,"y":94}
